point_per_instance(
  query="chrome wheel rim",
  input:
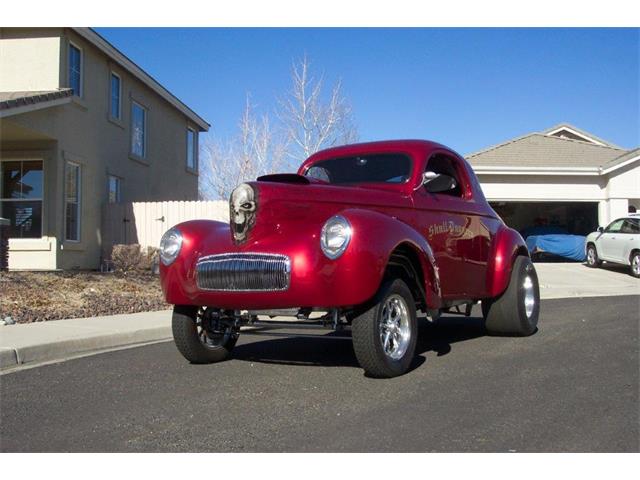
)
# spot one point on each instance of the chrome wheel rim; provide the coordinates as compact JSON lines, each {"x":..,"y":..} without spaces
{"x":529,"y":296}
{"x":591,"y":256}
{"x":208,"y":337}
{"x":635,"y":264}
{"x":395,"y":330}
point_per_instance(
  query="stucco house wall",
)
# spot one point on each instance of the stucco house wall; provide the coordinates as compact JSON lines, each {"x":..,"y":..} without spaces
{"x":82,"y":132}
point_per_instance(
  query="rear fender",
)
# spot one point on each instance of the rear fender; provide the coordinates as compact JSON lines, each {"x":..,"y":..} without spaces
{"x":507,"y":245}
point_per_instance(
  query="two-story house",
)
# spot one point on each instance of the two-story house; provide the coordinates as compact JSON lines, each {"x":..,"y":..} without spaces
{"x":82,"y":125}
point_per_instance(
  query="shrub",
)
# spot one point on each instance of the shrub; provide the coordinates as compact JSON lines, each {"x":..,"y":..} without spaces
{"x":126,"y":258}
{"x":133,"y":258}
{"x":150,"y":258}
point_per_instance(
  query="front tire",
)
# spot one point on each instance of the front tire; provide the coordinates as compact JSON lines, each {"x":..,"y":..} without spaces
{"x":634,"y":268}
{"x":199,"y":338}
{"x":592,"y":257}
{"x":385,"y":335}
{"x":516,"y":311}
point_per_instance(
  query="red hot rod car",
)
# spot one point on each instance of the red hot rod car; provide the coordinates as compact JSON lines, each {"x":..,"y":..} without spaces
{"x":362,"y":237}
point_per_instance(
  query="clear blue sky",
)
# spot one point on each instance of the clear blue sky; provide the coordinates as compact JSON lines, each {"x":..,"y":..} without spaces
{"x":466,"y":88}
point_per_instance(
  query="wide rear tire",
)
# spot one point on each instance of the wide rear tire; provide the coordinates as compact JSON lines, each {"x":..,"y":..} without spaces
{"x":385,"y":335}
{"x":516,"y":311}
{"x":194,"y":342}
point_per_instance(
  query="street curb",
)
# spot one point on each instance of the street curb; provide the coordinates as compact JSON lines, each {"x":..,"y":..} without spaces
{"x":59,"y":350}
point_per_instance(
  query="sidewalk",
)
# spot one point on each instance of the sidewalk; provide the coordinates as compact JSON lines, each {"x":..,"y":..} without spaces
{"x":36,"y":343}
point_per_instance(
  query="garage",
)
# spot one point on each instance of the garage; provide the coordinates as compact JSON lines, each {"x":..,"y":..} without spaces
{"x":575,"y":218}
{"x":564,"y":179}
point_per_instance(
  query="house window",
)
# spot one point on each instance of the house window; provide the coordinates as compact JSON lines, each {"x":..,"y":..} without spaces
{"x":75,"y":69}
{"x":113,"y":188}
{"x":138,"y":130}
{"x":115,"y":95}
{"x":192,"y":149}
{"x":21,"y":185}
{"x":72,"y":202}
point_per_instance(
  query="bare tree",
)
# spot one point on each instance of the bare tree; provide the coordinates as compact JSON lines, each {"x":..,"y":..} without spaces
{"x":307,"y":121}
{"x":253,"y":152}
{"x":312,"y":122}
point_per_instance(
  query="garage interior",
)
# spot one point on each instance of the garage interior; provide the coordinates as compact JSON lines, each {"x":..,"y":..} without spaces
{"x":576,"y":218}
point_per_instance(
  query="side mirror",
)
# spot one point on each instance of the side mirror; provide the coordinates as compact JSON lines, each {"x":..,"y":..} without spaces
{"x":601,"y":229}
{"x":438,"y":182}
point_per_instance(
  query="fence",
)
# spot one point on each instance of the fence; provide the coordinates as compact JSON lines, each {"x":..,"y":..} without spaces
{"x":145,"y":222}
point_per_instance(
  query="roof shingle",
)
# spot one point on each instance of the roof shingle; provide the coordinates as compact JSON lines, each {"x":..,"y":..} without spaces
{"x":539,"y":150}
{"x":18,"y":99}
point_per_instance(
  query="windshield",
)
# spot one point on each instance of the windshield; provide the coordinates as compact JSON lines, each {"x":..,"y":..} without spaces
{"x":377,"y":168}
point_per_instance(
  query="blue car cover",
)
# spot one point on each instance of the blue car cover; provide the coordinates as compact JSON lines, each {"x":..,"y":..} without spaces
{"x":568,"y":246}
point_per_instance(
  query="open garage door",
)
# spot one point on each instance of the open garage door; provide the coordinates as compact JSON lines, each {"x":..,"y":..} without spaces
{"x":576,"y":218}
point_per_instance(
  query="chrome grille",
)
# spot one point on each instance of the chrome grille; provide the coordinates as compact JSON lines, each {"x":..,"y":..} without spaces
{"x":244,"y":272}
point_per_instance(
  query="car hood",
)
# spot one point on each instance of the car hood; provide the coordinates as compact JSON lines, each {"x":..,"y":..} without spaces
{"x":282,"y":202}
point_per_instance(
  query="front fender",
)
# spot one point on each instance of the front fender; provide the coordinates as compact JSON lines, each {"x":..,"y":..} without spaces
{"x":507,"y":245}
{"x":375,"y":237}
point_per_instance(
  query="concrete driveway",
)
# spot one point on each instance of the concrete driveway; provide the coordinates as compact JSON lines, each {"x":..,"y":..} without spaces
{"x":569,"y":280}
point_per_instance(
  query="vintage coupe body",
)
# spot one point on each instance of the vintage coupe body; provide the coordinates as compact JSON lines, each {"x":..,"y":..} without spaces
{"x":363,"y":237}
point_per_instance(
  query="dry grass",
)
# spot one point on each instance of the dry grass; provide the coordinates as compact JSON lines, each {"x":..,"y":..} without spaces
{"x":40,"y":296}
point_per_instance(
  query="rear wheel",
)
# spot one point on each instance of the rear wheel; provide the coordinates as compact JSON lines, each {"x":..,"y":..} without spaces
{"x":201,"y":336}
{"x":385,"y":336}
{"x":592,"y":257}
{"x":635,"y":264}
{"x":516,"y":311}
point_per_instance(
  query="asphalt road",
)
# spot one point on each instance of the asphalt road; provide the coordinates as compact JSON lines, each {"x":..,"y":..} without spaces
{"x":573,"y":386}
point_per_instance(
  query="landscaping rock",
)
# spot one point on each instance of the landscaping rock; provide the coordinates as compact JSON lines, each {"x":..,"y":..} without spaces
{"x":40,"y":296}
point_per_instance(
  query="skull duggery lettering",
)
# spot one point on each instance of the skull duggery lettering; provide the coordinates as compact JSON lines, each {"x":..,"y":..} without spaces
{"x":445,"y":227}
{"x":242,"y":211}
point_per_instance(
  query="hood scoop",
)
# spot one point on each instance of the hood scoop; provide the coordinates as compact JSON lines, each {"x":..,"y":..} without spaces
{"x":293,"y":178}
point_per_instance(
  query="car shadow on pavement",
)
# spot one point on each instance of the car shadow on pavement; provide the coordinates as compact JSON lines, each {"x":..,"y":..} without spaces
{"x":611,"y":267}
{"x":333,"y":350}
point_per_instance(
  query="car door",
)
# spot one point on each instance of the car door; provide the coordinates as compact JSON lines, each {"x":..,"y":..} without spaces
{"x":629,"y":238}
{"x":609,"y":244}
{"x":459,"y":239}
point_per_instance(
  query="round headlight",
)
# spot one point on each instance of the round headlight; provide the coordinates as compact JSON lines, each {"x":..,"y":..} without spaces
{"x":170,"y":246}
{"x":335,"y":236}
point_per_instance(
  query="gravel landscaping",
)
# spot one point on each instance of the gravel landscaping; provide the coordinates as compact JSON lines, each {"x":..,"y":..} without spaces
{"x":39,"y":296}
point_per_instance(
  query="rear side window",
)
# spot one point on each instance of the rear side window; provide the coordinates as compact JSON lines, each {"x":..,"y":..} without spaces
{"x":631,"y":225}
{"x":446,"y":165}
{"x":377,"y":168}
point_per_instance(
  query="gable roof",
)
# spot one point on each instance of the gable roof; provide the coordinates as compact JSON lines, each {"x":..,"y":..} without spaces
{"x":630,"y":156}
{"x":13,"y":103}
{"x":108,"y":49}
{"x":577,"y":132}
{"x":537,"y":151}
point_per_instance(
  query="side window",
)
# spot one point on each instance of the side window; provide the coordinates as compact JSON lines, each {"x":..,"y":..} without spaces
{"x":75,"y":69}
{"x":138,"y":130}
{"x":615,"y":226}
{"x":446,"y":165}
{"x":115,"y":102}
{"x":631,"y":225}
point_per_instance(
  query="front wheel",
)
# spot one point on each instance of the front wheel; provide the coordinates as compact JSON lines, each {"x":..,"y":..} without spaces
{"x":516,"y":311}
{"x":385,"y":336}
{"x":201,"y":336}
{"x":635,"y":264}
{"x":592,"y":257}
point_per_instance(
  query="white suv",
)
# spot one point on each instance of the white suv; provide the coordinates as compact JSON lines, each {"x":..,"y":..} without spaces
{"x":618,"y":243}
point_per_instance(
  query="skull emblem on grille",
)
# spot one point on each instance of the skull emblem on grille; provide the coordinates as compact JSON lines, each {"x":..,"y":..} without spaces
{"x":242,"y":211}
